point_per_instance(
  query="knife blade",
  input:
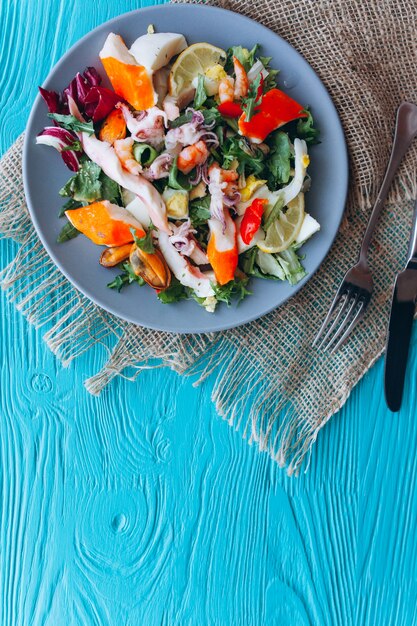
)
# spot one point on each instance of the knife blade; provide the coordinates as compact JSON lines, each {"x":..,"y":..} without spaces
{"x":400,"y":325}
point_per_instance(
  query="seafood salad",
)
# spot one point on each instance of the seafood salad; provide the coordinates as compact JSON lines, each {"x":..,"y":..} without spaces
{"x":189,"y":168}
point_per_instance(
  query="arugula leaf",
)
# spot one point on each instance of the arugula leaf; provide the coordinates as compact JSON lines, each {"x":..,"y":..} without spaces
{"x":272,"y":213}
{"x":210,"y":115}
{"x":306,"y":130}
{"x":251,"y":159}
{"x":71,"y":123}
{"x":176,"y":179}
{"x":234,"y":289}
{"x":145,"y":243}
{"x":199,"y":211}
{"x":278,"y":161}
{"x":252,"y":100}
{"x":200,"y":93}
{"x":174,"y":293}
{"x":110,"y":190}
{"x":68,"y":206}
{"x":245,"y":56}
{"x":126,"y":278}
{"x":67,"y":232}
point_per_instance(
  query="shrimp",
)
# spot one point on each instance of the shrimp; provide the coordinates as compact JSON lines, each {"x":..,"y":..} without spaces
{"x":226,"y":89}
{"x":191,"y":156}
{"x":231,"y":89}
{"x":241,"y":82}
{"x":124,"y":150}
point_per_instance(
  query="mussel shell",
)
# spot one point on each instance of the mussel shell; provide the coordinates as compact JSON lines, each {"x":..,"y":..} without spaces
{"x":152,"y":267}
{"x":111,"y":257}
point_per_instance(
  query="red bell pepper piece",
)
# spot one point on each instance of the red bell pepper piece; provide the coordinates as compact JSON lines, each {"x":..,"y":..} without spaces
{"x":230,"y":109}
{"x":275,"y":110}
{"x":252,"y":219}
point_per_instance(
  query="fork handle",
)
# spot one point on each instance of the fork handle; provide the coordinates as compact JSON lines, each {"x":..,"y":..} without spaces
{"x":405,"y":131}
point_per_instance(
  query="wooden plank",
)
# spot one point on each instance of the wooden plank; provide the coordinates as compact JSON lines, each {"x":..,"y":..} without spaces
{"x":142,"y":506}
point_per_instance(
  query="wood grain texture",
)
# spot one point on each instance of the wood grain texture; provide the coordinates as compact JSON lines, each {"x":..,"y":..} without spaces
{"x":143,"y":507}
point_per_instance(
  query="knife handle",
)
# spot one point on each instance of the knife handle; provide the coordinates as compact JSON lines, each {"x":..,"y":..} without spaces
{"x":412,"y":248}
{"x":405,"y":132}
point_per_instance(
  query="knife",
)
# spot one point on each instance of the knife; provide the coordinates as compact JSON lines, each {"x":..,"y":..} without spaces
{"x":400,"y":325}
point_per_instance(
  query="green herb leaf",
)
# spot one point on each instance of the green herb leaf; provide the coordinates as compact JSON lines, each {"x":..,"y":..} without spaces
{"x":71,"y":123}
{"x":126,"y":278}
{"x":67,"y":232}
{"x":306,"y":130}
{"x":199,"y":211}
{"x":118,"y":282}
{"x":144,"y":153}
{"x":176,"y":179}
{"x":234,"y":289}
{"x":272,"y":213}
{"x":278,"y":161}
{"x":174,"y":293}
{"x":200,"y":93}
{"x":145,"y":243}
{"x":68,"y":206}
{"x":252,"y":100}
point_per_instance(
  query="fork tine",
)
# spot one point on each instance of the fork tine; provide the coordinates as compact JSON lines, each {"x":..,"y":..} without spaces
{"x":346,"y":319}
{"x":340,"y":293}
{"x":356,"y":318}
{"x":336,"y":319}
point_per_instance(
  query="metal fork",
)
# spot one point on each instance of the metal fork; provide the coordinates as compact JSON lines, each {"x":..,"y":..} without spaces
{"x":355,"y":292}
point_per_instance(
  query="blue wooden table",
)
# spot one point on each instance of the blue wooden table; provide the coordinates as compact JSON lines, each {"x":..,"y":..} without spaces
{"x":142,"y":507}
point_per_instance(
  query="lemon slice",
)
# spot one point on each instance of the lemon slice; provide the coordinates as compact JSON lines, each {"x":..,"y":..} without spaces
{"x":194,"y":60}
{"x":284,"y":230}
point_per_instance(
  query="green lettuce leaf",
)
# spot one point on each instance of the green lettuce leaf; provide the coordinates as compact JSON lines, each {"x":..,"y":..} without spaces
{"x":200,"y":93}
{"x":90,"y":183}
{"x":278,"y":161}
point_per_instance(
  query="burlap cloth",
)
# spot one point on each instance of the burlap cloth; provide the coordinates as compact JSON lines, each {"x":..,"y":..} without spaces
{"x":271,"y":384}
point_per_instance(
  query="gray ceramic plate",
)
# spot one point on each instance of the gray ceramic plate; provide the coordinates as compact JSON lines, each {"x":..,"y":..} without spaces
{"x":44,"y":172}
